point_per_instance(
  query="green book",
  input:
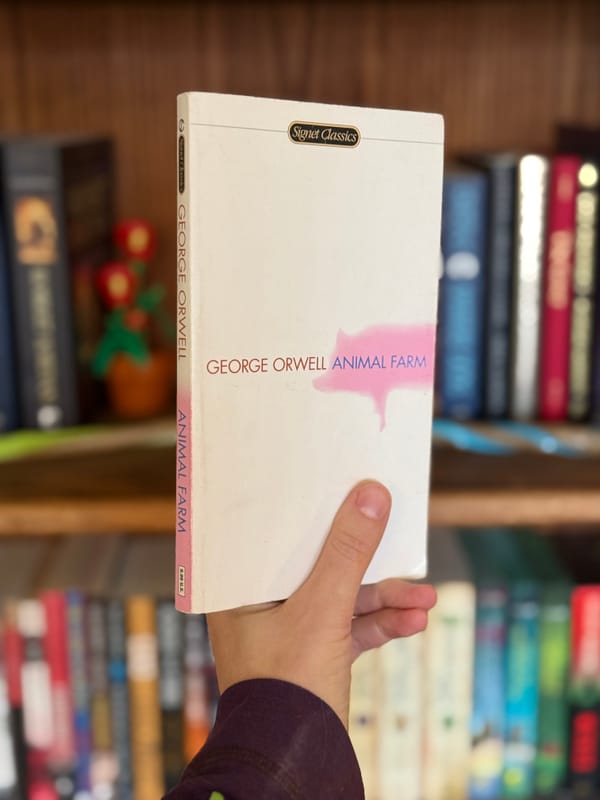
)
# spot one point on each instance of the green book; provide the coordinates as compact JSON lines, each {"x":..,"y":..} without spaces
{"x":555,"y":630}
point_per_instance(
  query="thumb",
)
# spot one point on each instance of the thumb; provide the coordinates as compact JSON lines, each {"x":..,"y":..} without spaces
{"x":351,"y":544}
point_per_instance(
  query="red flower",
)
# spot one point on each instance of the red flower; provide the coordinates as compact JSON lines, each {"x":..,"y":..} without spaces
{"x":136,"y":239}
{"x":116,"y":284}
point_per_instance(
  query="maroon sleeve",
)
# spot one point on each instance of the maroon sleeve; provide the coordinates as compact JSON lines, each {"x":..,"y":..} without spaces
{"x":275,"y":741}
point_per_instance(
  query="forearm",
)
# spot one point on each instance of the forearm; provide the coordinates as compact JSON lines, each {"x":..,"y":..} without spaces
{"x":276,"y":741}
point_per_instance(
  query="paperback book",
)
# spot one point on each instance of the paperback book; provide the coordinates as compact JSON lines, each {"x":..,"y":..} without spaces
{"x":307,"y":273}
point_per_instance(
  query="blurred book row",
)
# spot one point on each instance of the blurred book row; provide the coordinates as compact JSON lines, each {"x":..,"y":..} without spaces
{"x":500,"y":697}
{"x":519,"y":319}
{"x":106,"y":692}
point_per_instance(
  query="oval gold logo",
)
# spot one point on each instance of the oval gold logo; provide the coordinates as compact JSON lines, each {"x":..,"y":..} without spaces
{"x":324,"y":134}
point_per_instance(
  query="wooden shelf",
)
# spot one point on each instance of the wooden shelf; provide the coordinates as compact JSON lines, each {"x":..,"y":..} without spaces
{"x":131,"y":490}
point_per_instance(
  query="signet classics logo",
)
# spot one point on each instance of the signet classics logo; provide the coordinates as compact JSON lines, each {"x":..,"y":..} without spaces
{"x":319,"y":133}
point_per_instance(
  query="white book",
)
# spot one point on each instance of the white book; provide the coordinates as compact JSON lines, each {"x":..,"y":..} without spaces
{"x":448,"y":675}
{"x":307,"y":273}
{"x":400,"y":731}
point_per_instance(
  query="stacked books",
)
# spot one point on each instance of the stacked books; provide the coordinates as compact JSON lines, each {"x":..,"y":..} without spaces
{"x":519,"y":328}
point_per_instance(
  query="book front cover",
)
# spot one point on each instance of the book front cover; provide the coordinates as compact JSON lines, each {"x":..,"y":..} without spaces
{"x":308,"y":262}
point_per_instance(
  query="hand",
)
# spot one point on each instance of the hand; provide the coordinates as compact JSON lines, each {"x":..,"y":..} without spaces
{"x":312,"y":638}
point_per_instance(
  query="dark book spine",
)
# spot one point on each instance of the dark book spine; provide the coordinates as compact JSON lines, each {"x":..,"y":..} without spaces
{"x":9,"y":405}
{"x":170,"y":655}
{"x":461,"y":295}
{"x":584,"y":289}
{"x":119,"y":696}
{"x":79,"y":668}
{"x":41,"y":286}
{"x":498,"y":289}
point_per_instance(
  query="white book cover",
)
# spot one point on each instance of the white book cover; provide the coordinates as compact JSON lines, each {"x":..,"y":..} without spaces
{"x":308,"y":240}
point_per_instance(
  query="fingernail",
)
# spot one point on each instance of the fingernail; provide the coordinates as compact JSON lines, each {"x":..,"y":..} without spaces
{"x":372,"y":501}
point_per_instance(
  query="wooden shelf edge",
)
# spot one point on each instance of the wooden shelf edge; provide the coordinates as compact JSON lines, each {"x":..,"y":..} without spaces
{"x":512,"y":507}
{"x":90,"y":516}
{"x":507,"y":507}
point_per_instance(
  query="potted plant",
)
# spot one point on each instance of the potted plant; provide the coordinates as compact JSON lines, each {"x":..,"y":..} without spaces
{"x":133,"y":355}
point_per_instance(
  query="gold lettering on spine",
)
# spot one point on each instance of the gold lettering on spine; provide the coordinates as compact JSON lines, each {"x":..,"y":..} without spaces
{"x":560,"y":250}
{"x":43,"y":328}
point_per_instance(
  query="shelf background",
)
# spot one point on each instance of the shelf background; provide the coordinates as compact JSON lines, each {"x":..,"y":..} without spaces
{"x":502,"y":72}
{"x":129,"y":487}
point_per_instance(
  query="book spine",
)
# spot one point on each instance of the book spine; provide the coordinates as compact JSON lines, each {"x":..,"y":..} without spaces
{"x":363,"y":723}
{"x":584,"y":693}
{"x":553,"y":725}
{"x":9,"y":404}
{"x":183,"y":539}
{"x":142,"y":670}
{"x":104,"y":766}
{"x":13,"y":659}
{"x":62,"y":754}
{"x":119,"y":695}
{"x":449,"y":651}
{"x":498,"y":290}
{"x":196,"y":707}
{"x":399,"y":726}
{"x":8,"y":768}
{"x":584,"y":285}
{"x":530,"y":220}
{"x":462,"y":295}
{"x":487,"y":721}
{"x":557,"y":296}
{"x":37,"y":700}
{"x":41,"y":288}
{"x":170,"y":655}
{"x":522,"y":669}
{"x":79,"y":668}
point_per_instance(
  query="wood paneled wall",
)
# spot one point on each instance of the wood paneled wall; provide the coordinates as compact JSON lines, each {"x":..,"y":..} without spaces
{"x":503,"y":72}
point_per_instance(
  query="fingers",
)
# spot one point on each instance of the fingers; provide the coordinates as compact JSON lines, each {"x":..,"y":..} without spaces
{"x":354,"y":536}
{"x":394,"y":593}
{"x":379,"y":627}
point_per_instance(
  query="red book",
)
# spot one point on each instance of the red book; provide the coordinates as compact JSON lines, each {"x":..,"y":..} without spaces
{"x":62,"y":753}
{"x":557,"y":291}
{"x":584,"y":756}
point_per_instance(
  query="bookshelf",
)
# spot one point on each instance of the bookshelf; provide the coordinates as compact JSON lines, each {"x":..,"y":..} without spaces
{"x":89,"y":487}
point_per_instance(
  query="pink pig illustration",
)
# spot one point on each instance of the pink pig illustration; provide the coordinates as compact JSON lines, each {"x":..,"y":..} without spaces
{"x":380,"y":359}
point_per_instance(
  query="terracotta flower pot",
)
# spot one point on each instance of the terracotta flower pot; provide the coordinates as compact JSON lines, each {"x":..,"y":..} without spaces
{"x":140,"y":391}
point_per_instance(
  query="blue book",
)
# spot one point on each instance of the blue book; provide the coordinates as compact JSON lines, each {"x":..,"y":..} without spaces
{"x":522,"y":665}
{"x":462,"y":294}
{"x":489,"y":704}
{"x":78,"y":656}
{"x":9,"y":406}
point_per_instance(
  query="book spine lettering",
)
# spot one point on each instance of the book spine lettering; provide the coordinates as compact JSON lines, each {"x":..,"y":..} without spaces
{"x":532,"y":183}
{"x":78,"y":663}
{"x":584,"y":285}
{"x":183,"y":539}
{"x":557,"y":297}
